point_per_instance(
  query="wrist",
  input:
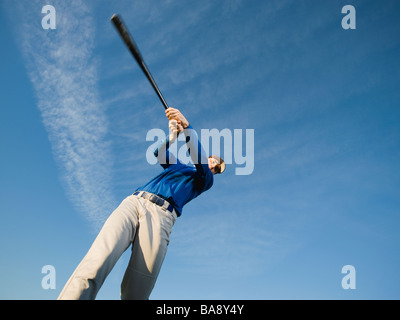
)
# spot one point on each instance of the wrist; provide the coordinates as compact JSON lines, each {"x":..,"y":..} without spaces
{"x":173,"y":136}
{"x":184,"y":122}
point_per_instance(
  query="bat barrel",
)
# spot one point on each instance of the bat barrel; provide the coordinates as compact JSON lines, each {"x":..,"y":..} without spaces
{"x":133,"y":48}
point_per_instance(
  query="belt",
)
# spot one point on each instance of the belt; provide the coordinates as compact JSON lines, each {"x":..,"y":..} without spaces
{"x":155,"y":199}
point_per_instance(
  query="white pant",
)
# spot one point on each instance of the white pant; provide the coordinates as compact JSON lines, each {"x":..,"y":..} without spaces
{"x":140,"y":222}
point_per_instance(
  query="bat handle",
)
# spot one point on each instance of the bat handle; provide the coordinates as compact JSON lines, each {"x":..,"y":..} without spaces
{"x":154,"y":85}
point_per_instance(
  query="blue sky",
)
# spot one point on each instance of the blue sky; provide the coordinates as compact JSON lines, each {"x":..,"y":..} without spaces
{"x":323,"y":103}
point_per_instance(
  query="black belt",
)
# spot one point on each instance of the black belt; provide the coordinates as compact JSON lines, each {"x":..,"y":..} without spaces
{"x":155,"y":199}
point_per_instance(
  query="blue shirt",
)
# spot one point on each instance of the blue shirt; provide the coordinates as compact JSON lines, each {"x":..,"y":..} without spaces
{"x":179,"y":183}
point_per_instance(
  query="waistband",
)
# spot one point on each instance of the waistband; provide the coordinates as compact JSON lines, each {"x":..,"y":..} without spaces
{"x":156,"y":199}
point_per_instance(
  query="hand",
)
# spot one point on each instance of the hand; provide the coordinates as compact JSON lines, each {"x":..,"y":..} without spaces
{"x":175,"y":114}
{"x":174,"y":128}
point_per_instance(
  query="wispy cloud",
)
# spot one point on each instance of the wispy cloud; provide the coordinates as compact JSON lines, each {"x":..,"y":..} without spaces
{"x":63,"y":72}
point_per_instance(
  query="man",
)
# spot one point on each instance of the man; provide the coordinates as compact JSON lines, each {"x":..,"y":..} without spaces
{"x":145,"y":220}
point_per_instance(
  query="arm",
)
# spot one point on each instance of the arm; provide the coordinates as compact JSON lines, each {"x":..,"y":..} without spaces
{"x":199,"y":158}
{"x":196,"y":150}
{"x":197,"y":153}
{"x":164,"y":157}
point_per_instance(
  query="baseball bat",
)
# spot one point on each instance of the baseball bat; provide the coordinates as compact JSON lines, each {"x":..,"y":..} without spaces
{"x":130,"y":43}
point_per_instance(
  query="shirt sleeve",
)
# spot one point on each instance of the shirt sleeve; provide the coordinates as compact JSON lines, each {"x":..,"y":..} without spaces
{"x":199,"y":158}
{"x":164,"y":156}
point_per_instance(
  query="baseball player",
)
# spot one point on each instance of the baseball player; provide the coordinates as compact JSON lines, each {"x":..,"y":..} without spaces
{"x":145,"y":219}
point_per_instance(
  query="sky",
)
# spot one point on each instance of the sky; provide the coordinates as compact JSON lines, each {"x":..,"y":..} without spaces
{"x":324,"y":104}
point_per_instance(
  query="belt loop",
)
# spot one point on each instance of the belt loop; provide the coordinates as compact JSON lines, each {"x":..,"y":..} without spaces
{"x":163,"y":204}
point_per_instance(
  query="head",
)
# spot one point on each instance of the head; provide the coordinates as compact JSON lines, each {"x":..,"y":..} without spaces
{"x":216,"y":164}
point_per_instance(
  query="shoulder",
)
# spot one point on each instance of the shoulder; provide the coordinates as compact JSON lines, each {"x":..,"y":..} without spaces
{"x":209,"y":180}
{"x":204,"y":182}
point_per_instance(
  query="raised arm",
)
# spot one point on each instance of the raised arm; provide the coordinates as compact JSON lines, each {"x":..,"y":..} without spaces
{"x":197,"y":153}
{"x":164,"y":157}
